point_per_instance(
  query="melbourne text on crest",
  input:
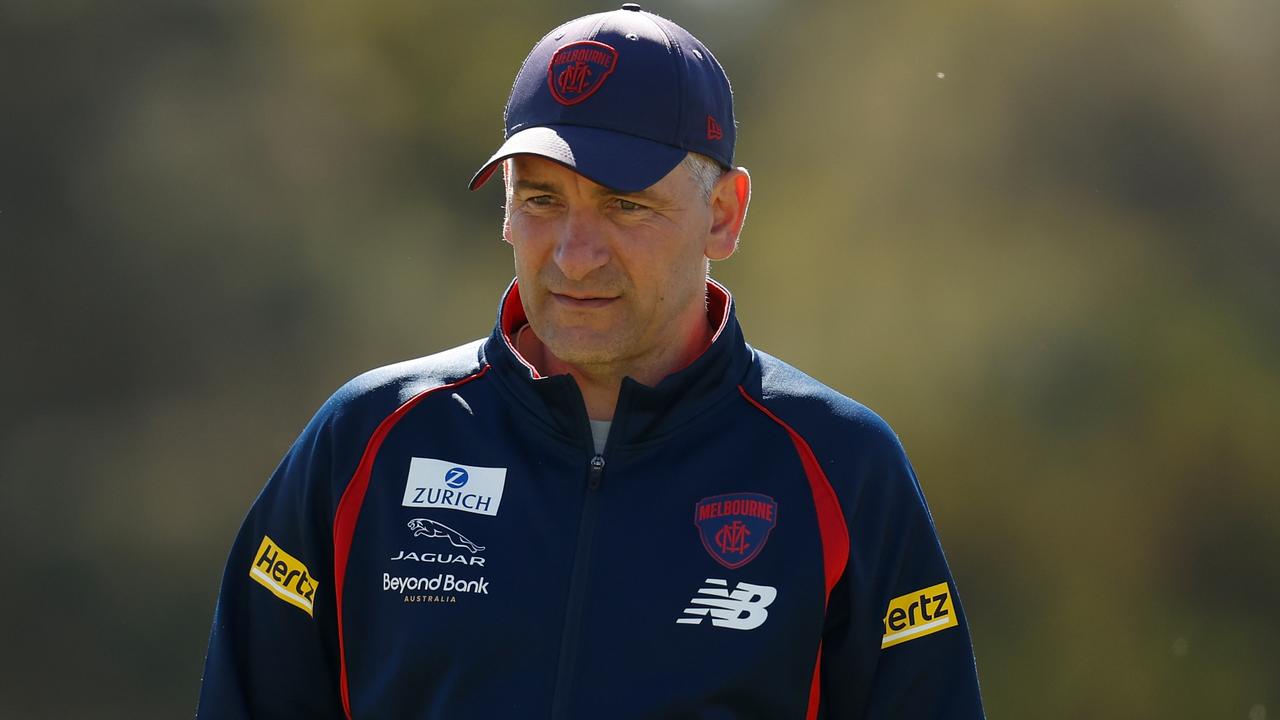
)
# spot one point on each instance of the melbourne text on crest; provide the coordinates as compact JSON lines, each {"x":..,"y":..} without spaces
{"x":586,"y":55}
{"x":737,"y":506}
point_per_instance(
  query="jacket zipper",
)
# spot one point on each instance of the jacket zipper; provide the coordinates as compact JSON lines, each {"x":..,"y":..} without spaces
{"x":562,"y":701}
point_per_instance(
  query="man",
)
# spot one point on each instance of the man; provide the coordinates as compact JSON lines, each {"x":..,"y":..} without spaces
{"x":612,"y":507}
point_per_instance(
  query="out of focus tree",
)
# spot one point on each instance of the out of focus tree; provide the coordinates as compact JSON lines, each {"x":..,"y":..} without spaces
{"x":1040,"y":239}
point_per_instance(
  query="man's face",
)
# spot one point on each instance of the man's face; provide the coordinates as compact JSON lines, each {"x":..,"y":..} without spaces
{"x":608,"y":278}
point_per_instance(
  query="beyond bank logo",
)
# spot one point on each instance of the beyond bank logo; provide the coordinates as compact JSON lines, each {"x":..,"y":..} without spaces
{"x":443,"y":484}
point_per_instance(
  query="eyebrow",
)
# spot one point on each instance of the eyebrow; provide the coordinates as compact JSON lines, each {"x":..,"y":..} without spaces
{"x":537,"y":185}
{"x":601,"y":190}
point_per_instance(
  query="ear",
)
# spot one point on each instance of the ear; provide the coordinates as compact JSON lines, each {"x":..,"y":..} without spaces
{"x":506,"y":203}
{"x":729,"y":199}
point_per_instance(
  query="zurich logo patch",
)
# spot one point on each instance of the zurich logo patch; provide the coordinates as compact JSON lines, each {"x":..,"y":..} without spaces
{"x":578,"y":69}
{"x":735,"y":527}
{"x":443,"y":484}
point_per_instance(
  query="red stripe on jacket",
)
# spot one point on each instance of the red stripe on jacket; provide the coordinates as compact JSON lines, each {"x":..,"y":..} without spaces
{"x":344,"y":520}
{"x":831,"y":528}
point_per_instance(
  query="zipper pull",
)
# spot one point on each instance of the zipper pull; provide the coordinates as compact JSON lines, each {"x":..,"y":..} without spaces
{"x":597,"y":470}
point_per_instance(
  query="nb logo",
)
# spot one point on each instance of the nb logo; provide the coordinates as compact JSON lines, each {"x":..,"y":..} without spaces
{"x":456,"y":477}
{"x":742,"y":608}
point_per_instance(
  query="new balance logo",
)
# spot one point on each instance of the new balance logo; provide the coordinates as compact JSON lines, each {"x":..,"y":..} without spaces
{"x":742,"y":608}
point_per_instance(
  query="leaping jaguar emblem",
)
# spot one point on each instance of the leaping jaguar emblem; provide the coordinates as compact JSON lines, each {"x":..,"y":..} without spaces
{"x":422,"y":527}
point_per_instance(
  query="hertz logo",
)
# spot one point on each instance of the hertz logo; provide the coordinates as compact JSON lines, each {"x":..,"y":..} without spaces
{"x":284,"y":575}
{"x":917,"y":614}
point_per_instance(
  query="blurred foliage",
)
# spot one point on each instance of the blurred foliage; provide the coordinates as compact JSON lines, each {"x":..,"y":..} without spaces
{"x":1042,"y":239}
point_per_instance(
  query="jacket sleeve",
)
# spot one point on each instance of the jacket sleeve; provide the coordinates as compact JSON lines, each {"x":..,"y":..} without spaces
{"x":896,"y":643}
{"x":273,"y":650}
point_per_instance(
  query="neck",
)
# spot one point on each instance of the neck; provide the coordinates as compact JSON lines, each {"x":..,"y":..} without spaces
{"x":601,"y":383}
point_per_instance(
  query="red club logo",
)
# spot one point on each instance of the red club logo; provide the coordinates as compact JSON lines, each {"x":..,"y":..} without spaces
{"x":578,"y":69}
{"x":735,"y":527}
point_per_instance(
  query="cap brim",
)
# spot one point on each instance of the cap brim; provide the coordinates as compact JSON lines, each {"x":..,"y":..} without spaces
{"x":614,"y":160}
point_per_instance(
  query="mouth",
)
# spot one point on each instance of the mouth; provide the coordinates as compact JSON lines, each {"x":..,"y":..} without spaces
{"x":582,"y":302}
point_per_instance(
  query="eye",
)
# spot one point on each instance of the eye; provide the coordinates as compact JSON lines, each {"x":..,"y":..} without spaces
{"x":629,"y":205}
{"x":544,"y":203}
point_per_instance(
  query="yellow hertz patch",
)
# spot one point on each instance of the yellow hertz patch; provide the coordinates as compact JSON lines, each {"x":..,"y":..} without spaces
{"x":284,"y":575}
{"x":917,"y":614}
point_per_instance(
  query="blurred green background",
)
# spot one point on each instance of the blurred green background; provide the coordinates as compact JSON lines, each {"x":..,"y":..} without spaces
{"x":1042,"y":239}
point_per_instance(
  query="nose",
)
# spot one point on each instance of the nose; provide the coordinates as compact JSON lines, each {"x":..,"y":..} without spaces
{"x":582,"y":246}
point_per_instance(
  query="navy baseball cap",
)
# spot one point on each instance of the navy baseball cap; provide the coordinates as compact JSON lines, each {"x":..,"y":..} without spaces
{"x":618,"y":97}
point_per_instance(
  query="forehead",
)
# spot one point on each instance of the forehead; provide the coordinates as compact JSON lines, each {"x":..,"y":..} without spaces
{"x":539,"y":172}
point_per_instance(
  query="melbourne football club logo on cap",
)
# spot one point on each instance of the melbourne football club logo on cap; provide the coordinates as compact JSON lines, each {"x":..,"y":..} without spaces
{"x":619,"y":97}
{"x":578,"y":69}
{"x":735,"y":527}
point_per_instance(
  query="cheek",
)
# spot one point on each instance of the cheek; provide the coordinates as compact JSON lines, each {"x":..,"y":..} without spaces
{"x":674,"y":272}
{"x":525,"y":245}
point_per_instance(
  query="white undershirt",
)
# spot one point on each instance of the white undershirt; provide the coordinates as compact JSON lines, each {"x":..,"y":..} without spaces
{"x":599,"y":428}
{"x":600,"y":433}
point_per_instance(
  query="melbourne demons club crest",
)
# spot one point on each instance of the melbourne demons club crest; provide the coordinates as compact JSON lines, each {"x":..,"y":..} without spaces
{"x":578,"y":69}
{"x":735,"y":527}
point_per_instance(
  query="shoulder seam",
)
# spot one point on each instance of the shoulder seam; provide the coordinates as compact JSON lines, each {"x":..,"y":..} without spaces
{"x":832,"y":525}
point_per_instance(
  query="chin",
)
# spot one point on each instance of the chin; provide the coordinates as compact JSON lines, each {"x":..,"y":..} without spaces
{"x":583,"y":348}
{"x":580,"y":355}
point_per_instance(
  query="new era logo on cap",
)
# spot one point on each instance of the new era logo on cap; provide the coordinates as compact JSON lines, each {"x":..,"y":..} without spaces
{"x":713,"y":129}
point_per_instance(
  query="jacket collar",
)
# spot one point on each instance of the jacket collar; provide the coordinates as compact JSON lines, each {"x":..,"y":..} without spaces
{"x":644,"y":412}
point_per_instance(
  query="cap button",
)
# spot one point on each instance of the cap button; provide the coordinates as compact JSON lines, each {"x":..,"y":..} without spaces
{"x":633,"y":7}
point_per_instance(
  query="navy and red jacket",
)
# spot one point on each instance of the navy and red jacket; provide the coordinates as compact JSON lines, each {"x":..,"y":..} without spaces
{"x":443,"y":542}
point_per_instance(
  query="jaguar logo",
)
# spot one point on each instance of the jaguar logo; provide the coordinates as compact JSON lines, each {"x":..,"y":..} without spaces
{"x":424,"y":527}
